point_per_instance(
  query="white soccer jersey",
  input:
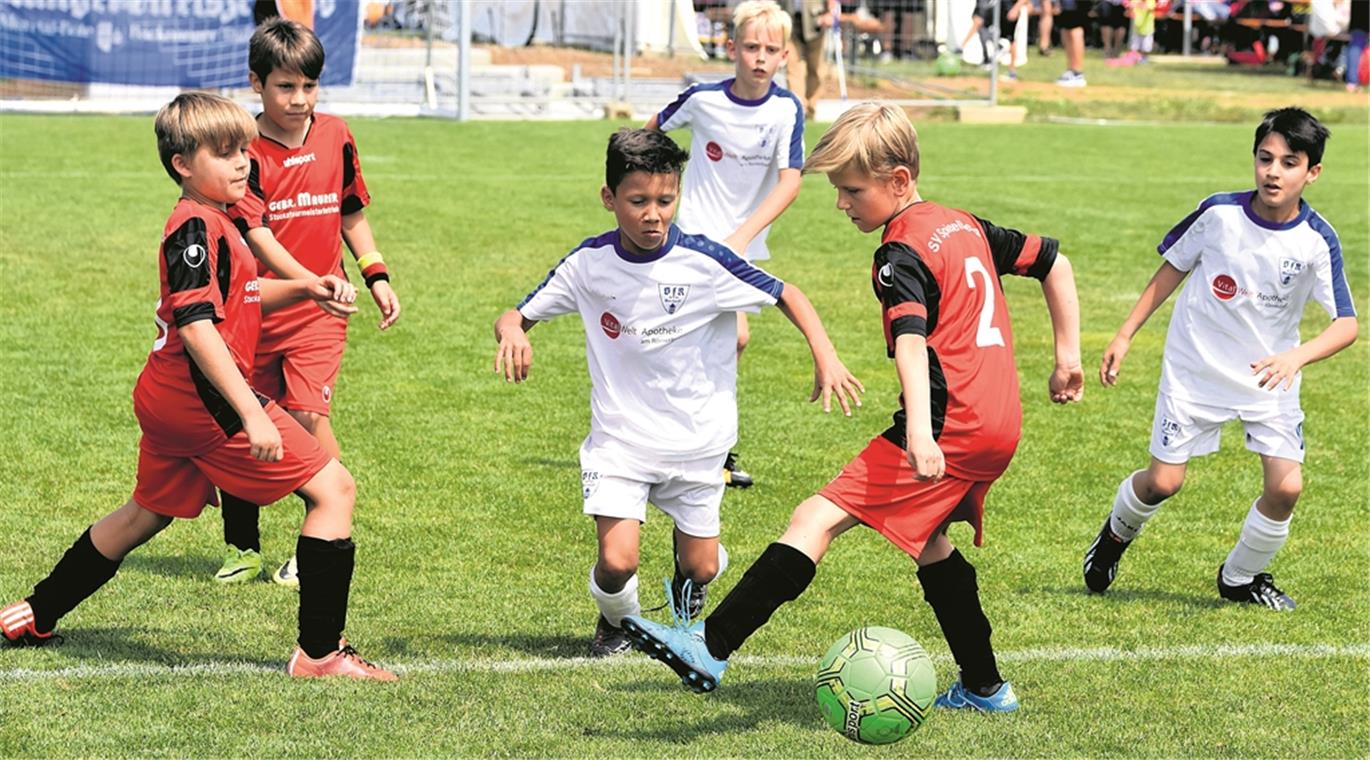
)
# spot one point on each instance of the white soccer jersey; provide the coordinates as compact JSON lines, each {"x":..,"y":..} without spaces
{"x":660,"y":338}
{"x":1248,"y":284}
{"x":737,"y":150}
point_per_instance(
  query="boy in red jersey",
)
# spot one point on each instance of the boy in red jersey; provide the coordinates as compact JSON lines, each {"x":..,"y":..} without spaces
{"x":305,"y":198}
{"x":203,"y":425}
{"x":936,"y":276}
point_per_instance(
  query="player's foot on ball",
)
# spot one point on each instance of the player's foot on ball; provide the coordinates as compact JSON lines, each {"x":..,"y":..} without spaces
{"x":681,"y":649}
{"x":288,"y":574}
{"x":240,"y":565}
{"x":608,"y":641}
{"x":343,"y":662}
{"x":1261,"y":590}
{"x":19,"y":630}
{"x":734,"y":476}
{"x":1101,"y":559}
{"x":958,"y":697}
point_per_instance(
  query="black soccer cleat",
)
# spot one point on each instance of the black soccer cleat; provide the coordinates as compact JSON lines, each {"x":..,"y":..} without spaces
{"x":608,"y":641}
{"x":1101,"y":559}
{"x":734,"y":476}
{"x":1261,"y":590}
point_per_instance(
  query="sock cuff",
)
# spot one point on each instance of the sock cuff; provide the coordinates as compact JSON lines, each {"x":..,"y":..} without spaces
{"x":1263,"y":533}
{"x":951,"y":575}
{"x":86,"y":547}
{"x":1128,"y":495}
{"x":324,"y":545}
{"x":792,"y":566}
{"x":629,"y":588}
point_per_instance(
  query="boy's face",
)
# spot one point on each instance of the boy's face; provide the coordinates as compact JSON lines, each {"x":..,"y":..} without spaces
{"x":288,"y":98}
{"x":1281,"y":173}
{"x":868,"y":201}
{"x":644,"y":205}
{"x":758,"y":51}
{"x":212,"y":175}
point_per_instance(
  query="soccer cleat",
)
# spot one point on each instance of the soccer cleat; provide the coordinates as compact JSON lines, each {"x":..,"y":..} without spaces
{"x":609,"y":641}
{"x":288,"y":574}
{"x":958,"y":697}
{"x":1261,"y":590}
{"x":1101,"y":559}
{"x":688,"y":597}
{"x":681,"y":649}
{"x":343,"y":662}
{"x":1071,"y":79}
{"x":734,"y":476}
{"x":240,"y":566}
{"x":19,"y":630}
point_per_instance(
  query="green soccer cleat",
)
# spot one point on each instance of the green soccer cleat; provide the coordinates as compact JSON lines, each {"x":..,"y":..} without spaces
{"x":288,"y":575}
{"x":240,"y":566}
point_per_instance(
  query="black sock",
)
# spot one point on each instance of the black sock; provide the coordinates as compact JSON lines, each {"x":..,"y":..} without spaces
{"x":949,"y":587}
{"x":80,"y":573}
{"x":325,"y":569}
{"x":779,"y":575}
{"x":240,"y":522}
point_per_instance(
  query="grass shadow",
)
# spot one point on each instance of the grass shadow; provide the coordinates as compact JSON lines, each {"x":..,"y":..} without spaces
{"x":557,"y":647}
{"x":783,"y":700}
{"x":1130,"y":595}
{"x":173,"y":565}
{"x":111,"y":645}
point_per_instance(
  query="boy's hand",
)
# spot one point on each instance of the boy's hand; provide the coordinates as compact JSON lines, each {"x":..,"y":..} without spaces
{"x":264,"y":438}
{"x":514,"y":356}
{"x":334,"y":295}
{"x":1274,"y":369}
{"x":925,"y":456}
{"x":1113,"y":360}
{"x":1067,"y":383}
{"x":387,"y":302}
{"x":832,"y":378}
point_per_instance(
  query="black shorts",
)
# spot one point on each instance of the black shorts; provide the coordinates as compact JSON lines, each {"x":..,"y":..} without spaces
{"x":1072,"y":18}
{"x":1112,"y":15}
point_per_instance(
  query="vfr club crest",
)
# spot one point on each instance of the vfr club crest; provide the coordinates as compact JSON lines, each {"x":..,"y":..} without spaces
{"x":673,"y":296}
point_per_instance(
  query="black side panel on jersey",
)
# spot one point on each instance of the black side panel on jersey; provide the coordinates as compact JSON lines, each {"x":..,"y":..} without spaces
{"x":215,"y":404}
{"x":1006,"y":247}
{"x":937,"y":399}
{"x":254,"y":186}
{"x":351,"y":204}
{"x":225,"y":270}
{"x":900,"y":277}
{"x":186,"y":251}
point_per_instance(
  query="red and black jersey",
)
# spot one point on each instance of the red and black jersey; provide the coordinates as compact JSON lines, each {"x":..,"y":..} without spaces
{"x":937,"y":275}
{"x":302,"y":194}
{"x":207,"y":272}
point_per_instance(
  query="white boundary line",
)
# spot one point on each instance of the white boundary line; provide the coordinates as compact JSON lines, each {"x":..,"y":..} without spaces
{"x":538,"y":664}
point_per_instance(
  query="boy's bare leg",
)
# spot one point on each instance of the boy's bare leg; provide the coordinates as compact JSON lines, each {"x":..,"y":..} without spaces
{"x":1242,"y":576}
{"x":613,"y":582}
{"x":321,"y":427}
{"x":125,"y":529}
{"x":1138,"y":497}
{"x":813,"y":526}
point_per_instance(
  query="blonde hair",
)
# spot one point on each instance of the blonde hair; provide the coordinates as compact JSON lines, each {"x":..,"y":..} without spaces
{"x":194,"y":119}
{"x":765,"y":11}
{"x":872,"y":138}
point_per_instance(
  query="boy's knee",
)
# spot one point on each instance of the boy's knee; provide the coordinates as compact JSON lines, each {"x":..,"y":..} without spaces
{"x":617,"y":565}
{"x":701,"y":572}
{"x":1284,"y":494}
{"x":1158,"y":485}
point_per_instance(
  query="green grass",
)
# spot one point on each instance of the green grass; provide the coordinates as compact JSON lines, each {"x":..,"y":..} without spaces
{"x":472,"y":551}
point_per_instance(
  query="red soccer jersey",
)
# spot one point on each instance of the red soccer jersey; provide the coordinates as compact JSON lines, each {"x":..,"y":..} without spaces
{"x":302,"y":194}
{"x":207,"y":272}
{"x":937,"y":275}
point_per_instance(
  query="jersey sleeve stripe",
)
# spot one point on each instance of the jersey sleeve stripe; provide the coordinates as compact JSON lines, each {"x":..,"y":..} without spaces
{"x":670,"y":110}
{"x":797,"y":136}
{"x":735,"y":265}
{"x":907,"y":309}
{"x":594,"y":242}
{"x":1341,"y":292}
{"x":1032,"y":245}
{"x":1178,"y":231}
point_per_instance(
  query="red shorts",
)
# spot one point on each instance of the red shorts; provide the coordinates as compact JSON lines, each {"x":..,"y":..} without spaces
{"x":298,"y":369}
{"x":181,"y":486}
{"x":880,"y":488}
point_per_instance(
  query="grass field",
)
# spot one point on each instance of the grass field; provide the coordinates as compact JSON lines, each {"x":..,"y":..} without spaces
{"x":472,"y":553}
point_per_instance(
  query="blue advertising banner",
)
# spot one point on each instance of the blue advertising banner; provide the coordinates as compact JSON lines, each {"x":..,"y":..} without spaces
{"x":183,"y":43}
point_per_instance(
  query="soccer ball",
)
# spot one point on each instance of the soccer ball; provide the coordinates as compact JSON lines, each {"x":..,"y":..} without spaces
{"x":875,"y":685}
{"x":948,"y":64}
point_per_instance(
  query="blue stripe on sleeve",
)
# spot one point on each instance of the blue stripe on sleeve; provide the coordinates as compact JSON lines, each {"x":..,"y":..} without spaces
{"x":734,"y":264}
{"x":669,"y":111}
{"x":1178,"y":231}
{"x":797,"y":137}
{"x":594,"y":242}
{"x":1341,"y":293}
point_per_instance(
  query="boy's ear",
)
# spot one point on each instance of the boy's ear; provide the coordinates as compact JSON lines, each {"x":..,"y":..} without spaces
{"x":607,"y":197}
{"x":901,"y":180}
{"x":178,"y":162}
{"x":731,"y":48}
{"x":256,"y":82}
{"x":1314,"y":172}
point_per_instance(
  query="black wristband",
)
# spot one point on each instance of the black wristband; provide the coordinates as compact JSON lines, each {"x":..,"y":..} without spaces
{"x":373,"y":279}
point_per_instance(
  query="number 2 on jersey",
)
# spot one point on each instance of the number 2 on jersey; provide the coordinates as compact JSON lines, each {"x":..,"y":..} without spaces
{"x":986,"y":334}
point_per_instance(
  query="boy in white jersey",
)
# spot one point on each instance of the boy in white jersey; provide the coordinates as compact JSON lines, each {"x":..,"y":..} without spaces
{"x":657,"y":309}
{"x":747,"y":136}
{"x":1233,"y":350}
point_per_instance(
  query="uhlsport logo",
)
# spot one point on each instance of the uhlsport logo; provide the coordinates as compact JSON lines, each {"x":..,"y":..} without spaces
{"x":589,"y":483}
{"x":327,"y":394}
{"x":672,"y":296}
{"x":609,"y":324}
{"x":852,"y":726}
{"x":1289,"y":269}
{"x":886,"y":275}
{"x":194,"y":255}
{"x":1169,"y":430}
{"x":297,"y":160}
{"x":714,"y":151}
{"x":1224,"y":287}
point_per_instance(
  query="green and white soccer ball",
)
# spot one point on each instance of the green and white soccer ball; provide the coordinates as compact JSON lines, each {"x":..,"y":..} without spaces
{"x":876,"y":685}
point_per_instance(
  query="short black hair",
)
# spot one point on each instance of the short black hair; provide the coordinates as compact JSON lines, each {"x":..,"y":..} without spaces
{"x":1299,"y":128}
{"x":641,"y":150}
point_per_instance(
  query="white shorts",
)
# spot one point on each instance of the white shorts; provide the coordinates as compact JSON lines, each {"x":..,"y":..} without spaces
{"x":1182,"y":430}
{"x":616,"y":483}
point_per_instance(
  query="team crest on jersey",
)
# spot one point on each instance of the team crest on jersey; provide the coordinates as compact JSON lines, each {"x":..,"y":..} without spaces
{"x":673,"y":296}
{"x":194,"y":255}
{"x":589,"y":483}
{"x":1289,"y":269}
{"x":1169,"y":429}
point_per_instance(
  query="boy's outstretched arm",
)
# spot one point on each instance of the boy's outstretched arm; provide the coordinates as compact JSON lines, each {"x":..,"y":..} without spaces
{"x":1283,"y":367}
{"x":1162,"y":284}
{"x":911,"y":362}
{"x":830,"y":375}
{"x":514,"y":356}
{"x":206,"y":347}
{"x":356,"y":232}
{"x":781,"y":196}
{"x":269,"y":251}
{"x":1067,"y":382}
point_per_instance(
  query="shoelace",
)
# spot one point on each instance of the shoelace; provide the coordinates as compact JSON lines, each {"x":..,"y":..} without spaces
{"x":349,"y":651}
{"x":681,"y":612}
{"x":1263,"y":586}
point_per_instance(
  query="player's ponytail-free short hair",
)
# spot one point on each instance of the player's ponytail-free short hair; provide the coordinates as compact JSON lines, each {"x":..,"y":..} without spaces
{"x":194,"y":119}
{"x":641,"y":150}
{"x":1304,"y":133}
{"x":872,"y":138}
{"x":286,"y":45}
{"x":762,"y":11}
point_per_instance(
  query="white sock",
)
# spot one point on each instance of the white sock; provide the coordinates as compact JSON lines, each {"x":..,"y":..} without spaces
{"x":1261,"y":538}
{"x":616,"y":605}
{"x":1129,"y":512}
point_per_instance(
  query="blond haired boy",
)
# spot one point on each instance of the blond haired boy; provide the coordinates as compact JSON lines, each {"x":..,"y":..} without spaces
{"x":936,"y":275}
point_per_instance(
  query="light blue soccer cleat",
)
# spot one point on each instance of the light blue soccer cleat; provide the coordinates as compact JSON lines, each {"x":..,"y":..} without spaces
{"x":681,"y":647}
{"x":957,"y":697}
